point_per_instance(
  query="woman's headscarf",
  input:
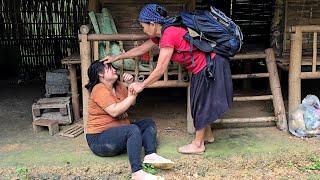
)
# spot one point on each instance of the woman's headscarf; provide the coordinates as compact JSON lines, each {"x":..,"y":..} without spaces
{"x":153,"y":13}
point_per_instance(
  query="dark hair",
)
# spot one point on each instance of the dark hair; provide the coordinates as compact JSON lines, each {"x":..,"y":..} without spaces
{"x":94,"y":70}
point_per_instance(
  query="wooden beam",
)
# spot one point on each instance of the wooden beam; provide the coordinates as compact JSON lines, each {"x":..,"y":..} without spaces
{"x":249,"y":56}
{"x":310,"y":75}
{"x":247,"y":120}
{"x":307,"y":28}
{"x":278,"y":104}
{"x":117,"y":37}
{"x":246,"y":76}
{"x":253,"y":98}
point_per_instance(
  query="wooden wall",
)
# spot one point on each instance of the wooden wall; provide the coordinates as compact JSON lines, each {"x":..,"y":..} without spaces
{"x":300,"y":12}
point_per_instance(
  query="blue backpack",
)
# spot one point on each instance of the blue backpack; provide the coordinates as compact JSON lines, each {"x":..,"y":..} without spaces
{"x":209,"y":31}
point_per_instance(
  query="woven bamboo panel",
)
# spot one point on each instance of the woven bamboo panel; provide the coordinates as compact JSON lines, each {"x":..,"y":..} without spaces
{"x":44,"y":31}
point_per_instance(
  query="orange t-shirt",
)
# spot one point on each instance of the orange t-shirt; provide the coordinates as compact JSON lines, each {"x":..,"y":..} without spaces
{"x":100,"y":98}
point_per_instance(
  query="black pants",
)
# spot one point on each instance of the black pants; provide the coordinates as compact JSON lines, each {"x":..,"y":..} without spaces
{"x":130,"y":138}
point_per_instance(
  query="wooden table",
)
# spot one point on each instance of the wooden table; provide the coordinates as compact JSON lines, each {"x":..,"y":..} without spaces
{"x":72,"y":61}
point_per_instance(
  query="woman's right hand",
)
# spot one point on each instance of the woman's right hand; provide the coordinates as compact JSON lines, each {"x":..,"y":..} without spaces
{"x":109,"y":59}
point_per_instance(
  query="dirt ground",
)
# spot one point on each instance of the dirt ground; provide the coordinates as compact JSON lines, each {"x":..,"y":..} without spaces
{"x":237,"y":153}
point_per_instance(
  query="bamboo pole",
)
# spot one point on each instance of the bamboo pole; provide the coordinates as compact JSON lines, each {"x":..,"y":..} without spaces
{"x":314,"y":58}
{"x":85,"y":63}
{"x":279,"y":109}
{"x":295,"y":70}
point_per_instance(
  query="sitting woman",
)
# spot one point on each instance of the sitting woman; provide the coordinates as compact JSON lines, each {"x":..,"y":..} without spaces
{"x":109,"y":132}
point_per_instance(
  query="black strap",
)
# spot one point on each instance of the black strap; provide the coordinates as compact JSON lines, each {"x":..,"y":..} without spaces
{"x":190,"y":51}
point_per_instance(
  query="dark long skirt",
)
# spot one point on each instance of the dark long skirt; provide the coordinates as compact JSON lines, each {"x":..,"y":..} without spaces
{"x":211,"y":97}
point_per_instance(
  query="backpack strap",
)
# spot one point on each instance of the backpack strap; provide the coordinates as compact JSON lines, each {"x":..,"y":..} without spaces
{"x":190,"y":51}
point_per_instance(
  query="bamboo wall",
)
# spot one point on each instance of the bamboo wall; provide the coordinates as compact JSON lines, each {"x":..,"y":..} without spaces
{"x":301,"y":12}
{"x":44,"y":31}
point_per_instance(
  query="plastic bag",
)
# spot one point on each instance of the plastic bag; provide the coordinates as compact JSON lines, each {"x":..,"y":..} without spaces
{"x":305,"y":120}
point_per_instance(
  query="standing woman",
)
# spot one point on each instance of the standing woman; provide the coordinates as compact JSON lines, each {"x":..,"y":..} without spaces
{"x":210,"y":96}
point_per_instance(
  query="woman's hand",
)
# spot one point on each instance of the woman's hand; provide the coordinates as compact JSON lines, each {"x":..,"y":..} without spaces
{"x":109,"y":59}
{"x":127,"y":78}
{"x":136,"y":87}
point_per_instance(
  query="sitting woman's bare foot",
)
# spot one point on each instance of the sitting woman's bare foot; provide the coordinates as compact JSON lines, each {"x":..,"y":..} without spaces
{"x":158,"y":161}
{"x":142,"y":175}
{"x":192,"y":148}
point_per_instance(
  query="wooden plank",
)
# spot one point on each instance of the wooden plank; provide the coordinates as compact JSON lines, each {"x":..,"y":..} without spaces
{"x":310,"y":75}
{"x":249,"y":56}
{"x":247,"y":120}
{"x":253,"y":98}
{"x":72,"y":131}
{"x":54,"y":116}
{"x":247,"y":76}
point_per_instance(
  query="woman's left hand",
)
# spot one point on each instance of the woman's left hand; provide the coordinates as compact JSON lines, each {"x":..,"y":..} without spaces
{"x":127,"y":78}
{"x":136,"y":87}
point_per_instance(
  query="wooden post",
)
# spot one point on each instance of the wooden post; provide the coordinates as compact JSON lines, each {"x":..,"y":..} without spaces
{"x":279,"y":109}
{"x":74,"y":92}
{"x":85,"y":63}
{"x":314,"y":58}
{"x":95,"y":50}
{"x":295,"y":70}
{"x":190,"y":126}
